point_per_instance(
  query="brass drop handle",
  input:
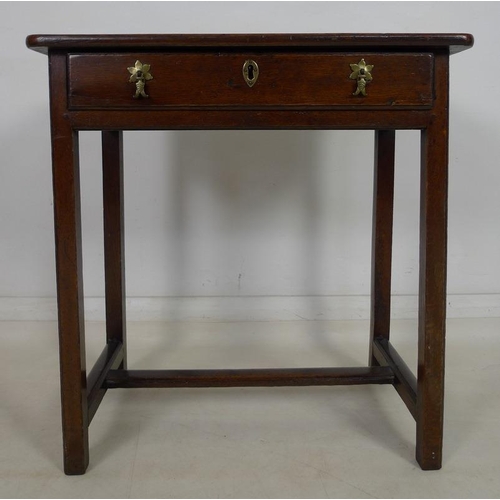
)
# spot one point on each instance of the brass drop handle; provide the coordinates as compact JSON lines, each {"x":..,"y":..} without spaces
{"x":250,"y":72}
{"x":362,"y":73}
{"x":139,"y":74}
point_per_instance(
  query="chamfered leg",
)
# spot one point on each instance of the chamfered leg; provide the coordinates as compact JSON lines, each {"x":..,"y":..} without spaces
{"x":432,"y":286}
{"x":66,"y":186}
{"x":383,"y":206}
{"x":114,"y":252}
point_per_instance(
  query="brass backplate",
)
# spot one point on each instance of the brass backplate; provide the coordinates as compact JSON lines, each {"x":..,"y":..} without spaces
{"x":250,"y":72}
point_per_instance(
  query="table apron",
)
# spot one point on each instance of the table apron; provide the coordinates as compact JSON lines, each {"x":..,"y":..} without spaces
{"x":250,"y":120}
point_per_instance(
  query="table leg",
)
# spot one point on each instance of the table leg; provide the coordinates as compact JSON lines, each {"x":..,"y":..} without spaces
{"x":383,"y":205}
{"x":432,"y":287}
{"x":114,"y":254}
{"x":66,"y":186}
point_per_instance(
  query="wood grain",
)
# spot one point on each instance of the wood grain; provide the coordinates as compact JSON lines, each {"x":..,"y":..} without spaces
{"x":270,"y":377}
{"x":68,"y":236}
{"x":205,"y":119}
{"x":452,"y":42}
{"x":383,"y":208}
{"x":215,"y":80}
{"x":114,"y":242}
{"x":432,"y":280}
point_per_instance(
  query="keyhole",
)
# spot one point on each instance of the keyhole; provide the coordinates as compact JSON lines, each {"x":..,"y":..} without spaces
{"x":250,"y":72}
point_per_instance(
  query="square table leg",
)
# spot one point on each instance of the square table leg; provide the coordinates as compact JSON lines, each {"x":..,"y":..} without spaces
{"x":68,"y":239}
{"x":383,"y":207}
{"x":114,"y":250}
{"x":432,"y":287}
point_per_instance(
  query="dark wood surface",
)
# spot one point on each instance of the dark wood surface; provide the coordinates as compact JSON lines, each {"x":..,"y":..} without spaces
{"x":68,"y":241}
{"x":432,"y":278}
{"x":383,"y":207}
{"x":111,"y":357}
{"x":114,"y":238}
{"x":405,"y":382}
{"x":216,"y":80}
{"x":101,"y":99}
{"x":270,"y":377}
{"x":209,"y":119}
{"x":417,"y":42}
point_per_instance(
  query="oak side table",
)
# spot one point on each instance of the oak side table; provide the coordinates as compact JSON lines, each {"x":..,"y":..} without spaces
{"x":382,"y":82}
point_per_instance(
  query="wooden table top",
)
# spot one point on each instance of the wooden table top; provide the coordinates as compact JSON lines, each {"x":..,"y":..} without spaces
{"x":453,"y":42}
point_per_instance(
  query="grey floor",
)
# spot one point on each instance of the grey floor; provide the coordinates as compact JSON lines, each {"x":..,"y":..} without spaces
{"x":323,"y":442}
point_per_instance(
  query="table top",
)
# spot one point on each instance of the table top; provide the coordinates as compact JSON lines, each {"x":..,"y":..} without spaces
{"x":452,"y":42}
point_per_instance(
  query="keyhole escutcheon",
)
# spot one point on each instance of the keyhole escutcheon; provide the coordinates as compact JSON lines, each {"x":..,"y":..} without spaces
{"x":250,"y":72}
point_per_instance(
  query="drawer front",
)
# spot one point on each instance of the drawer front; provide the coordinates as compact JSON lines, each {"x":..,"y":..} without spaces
{"x":284,"y":80}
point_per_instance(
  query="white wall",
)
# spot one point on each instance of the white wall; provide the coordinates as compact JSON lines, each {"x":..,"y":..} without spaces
{"x":249,"y":213}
